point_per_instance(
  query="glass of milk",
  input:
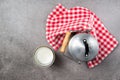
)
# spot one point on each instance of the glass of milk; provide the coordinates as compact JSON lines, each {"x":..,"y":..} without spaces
{"x":44,"y":56}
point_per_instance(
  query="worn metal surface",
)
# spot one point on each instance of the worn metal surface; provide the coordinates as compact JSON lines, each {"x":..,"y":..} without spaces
{"x":22,"y":30}
{"x":78,"y":50}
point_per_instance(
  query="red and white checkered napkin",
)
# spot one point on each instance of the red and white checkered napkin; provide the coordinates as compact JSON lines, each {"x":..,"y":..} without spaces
{"x":61,"y":20}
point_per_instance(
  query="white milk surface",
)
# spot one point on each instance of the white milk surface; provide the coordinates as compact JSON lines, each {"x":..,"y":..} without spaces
{"x":44,"y":55}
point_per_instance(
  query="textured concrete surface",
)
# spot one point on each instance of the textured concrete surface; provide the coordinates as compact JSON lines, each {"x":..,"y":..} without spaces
{"x":22,"y":29}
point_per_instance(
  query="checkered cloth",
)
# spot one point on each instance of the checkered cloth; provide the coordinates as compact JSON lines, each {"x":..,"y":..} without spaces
{"x":61,"y":20}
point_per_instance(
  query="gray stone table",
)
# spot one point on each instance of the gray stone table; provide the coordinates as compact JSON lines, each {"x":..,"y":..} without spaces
{"x":22,"y":30}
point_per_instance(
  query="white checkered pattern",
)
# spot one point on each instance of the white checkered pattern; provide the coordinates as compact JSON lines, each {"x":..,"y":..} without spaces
{"x":62,"y":20}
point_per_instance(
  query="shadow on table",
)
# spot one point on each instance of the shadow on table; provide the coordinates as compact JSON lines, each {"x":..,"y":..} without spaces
{"x":58,"y":60}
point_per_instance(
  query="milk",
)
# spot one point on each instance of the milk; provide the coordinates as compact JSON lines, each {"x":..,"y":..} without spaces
{"x":44,"y":56}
